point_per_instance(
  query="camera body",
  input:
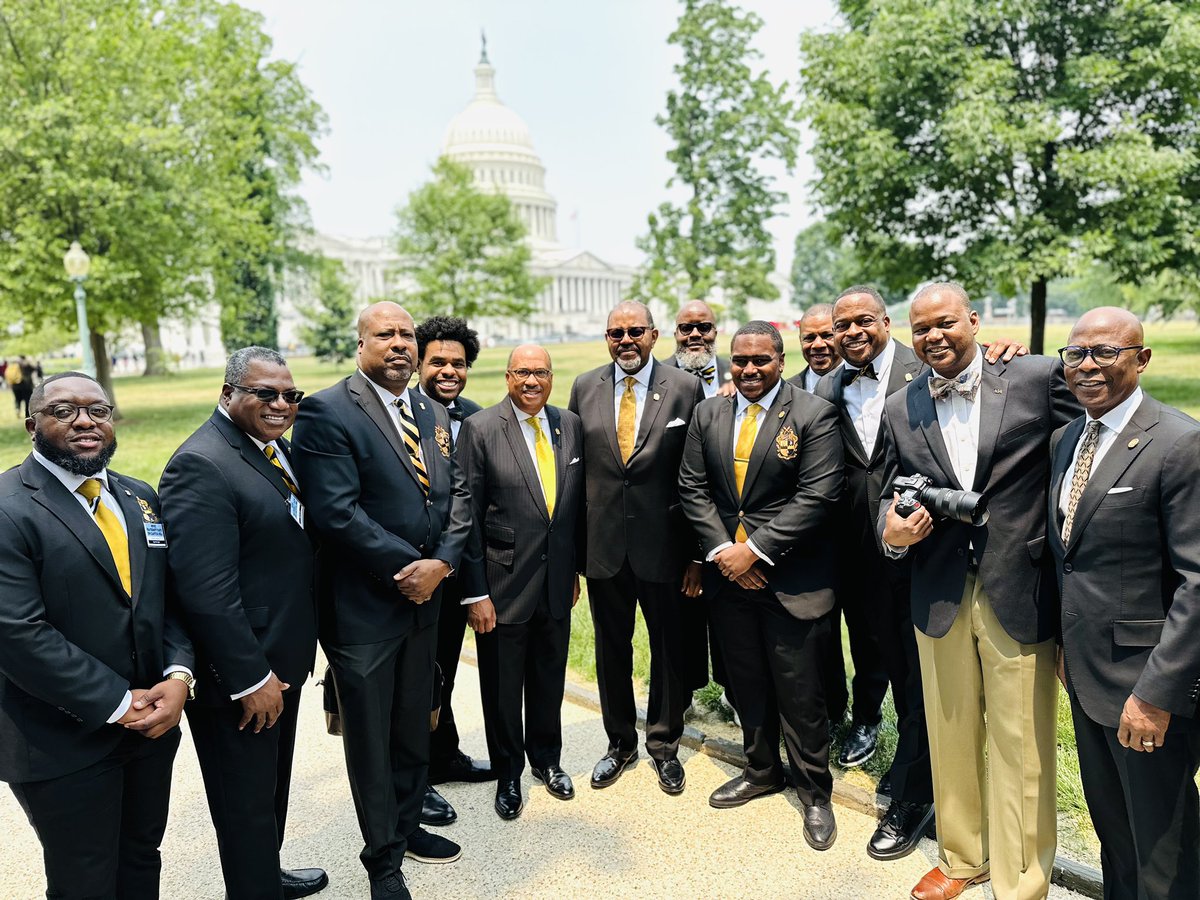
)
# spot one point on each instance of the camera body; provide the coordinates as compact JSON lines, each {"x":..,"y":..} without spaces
{"x":916,"y":491}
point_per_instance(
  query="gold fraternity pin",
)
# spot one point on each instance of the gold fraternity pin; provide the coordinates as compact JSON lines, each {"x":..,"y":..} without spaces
{"x":782,"y":414}
{"x":656,"y":396}
{"x":787,"y":445}
{"x":148,"y":513}
{"x":442,"y":436}
{"x":1133,"y":443}
{"x":908,"y":376}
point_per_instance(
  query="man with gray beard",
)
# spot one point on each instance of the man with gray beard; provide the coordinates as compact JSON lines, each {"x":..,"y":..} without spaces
{"x":696,"y":349}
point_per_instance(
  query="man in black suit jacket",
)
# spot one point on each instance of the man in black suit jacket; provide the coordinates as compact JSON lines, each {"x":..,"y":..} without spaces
{"x":639,"y":545}
{"x":1127,"y":476}
{"x":523,"y":462}
{"x":393,"y":516}
{"x":696,"y":349}
{"x":242,"y":565}
{"x":759,"y":479}
{"x":87,"y":633}
{"x":817,"y":346}
{"x":982,"y":602}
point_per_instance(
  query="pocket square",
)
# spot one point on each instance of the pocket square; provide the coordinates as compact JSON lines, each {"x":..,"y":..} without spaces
{"x":675,"y":423}
{"x":1119,"y":490}
{"x":572,"y":462}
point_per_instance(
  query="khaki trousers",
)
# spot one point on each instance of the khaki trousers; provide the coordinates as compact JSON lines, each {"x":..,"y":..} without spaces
{"x":990,"y":703}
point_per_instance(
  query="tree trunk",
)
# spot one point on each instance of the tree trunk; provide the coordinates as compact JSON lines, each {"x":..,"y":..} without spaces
{"x":156,"y":359}
{"x":1037,"y":316}
{"x":104,"y":370}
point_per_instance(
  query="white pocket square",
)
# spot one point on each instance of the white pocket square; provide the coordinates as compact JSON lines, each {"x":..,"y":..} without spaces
{"x":572,"y":462}
{"x":676,"y":422}
{"x":1119,"y":490}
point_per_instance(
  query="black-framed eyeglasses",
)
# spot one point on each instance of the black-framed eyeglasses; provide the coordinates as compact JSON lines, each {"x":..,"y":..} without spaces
{"x":523,"y":374}
{"x":1102,"y":354}
{"x":635,"y":333}
{"x":266,"y":395}
{"x":686,"y":328}
{"x":759,"y":361}
{"x":69,"y":412}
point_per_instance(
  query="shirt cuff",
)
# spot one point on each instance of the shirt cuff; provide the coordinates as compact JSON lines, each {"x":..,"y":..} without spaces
{"x":184,"y":669}
{"x":759,"y":553}
{"x":467,"y":601}
{"x":249,"y":691}
{"x":123,"y":708}
{"x":717,"y":549}
{"x":894,"y":552}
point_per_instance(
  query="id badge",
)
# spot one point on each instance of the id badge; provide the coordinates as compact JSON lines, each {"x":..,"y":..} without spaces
{"x":155,"y":535}
{"x":296,"y":508}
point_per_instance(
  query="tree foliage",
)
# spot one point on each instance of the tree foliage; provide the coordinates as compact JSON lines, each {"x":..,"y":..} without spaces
{"x":1007,"y":142}
{"x":329,"y":328}
{"x":724,"y":120}
{"x":824,"y":264}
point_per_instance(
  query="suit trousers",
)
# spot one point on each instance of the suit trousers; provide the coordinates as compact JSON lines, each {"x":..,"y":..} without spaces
{"x":247,"y":778}
{"x":101,"y":827}
{"x":526,"y":662}
{"x":993,"y":778}
{"x":774,"y":662}
{"x":614,"y":602}
{"x":451,"y":628}
{"x":384,"y":690}
{"x":1145,"y":810}
{"x":859,"y":601}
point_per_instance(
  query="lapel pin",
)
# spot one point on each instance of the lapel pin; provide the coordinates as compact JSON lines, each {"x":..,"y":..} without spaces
{"x":1133,"y":443}
{"x":997,"y":391}
{"x":420,"y":404}
{"x":781,"y":414}
{"x":128,"y":493}
{"x":656,"y":396}
{"x":556,"y":431}
{"x":908,"y":376}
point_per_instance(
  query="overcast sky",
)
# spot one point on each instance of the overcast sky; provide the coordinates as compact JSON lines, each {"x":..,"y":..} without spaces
{"x":588,"y":79}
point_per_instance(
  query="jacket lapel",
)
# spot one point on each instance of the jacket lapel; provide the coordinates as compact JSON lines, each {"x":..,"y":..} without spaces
{"x":427,"y":425}
{"x":656,"y":392}
{"x":922,"y":411}
{"x":849,"y":433}
{"x":560,"y":456}
{"x":606,"y":398}
{"x":254,"y":457}
{"x":1058,"y":471}
{"x":726,"y":413}
{"x":992,"y":396}
{"x":364,"y":395}
{"x":514,"y":433}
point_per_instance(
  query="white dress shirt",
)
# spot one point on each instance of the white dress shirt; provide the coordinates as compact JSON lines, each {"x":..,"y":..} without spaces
{"x":958,"y":418}
{"x":531,"y":436}
{"x":1112,"y":423}
{"x":640,"y":387}
{"x":811,"y":380}
{"x":865,"y":397}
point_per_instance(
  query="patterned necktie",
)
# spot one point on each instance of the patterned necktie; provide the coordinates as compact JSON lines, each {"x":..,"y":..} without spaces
{"x":741,"y":455}
{"x":708,"y":373}
{"x":849,"y":376}
{"x":626,"y":419}
{"x":412,"y":442}
{"x":1083,"y":471}
{"x":273,"y":456}
{"x":545,"y":463}
{"x":110,"y":527}
{"x":965,"y":385}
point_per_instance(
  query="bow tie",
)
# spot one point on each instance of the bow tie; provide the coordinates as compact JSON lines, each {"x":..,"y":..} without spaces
{"x":849,"y":376}
{"x":966,"y":385}
{"x":455,"y":412}
{"x":708,"y":373}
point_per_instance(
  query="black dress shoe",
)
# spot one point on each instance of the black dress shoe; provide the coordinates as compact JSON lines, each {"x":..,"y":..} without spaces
{"x":900,"y":830}
{"x":390,"y":887}
{"x":610,"y":767}
{"x":436,"y":809}
{"x":557,"y":782}
{"x":670,"y":774}
{"x":508,"y":799}
{"x":461,"y":767}
{"x":859,"y":745}
{"x":820,"y":829}
{"x":302,"y":882}
{"x":426,"y":847}
{"x":738,"y":792}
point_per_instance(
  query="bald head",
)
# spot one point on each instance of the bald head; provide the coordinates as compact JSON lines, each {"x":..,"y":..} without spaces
{"x":1120,"y":324}
{"x":529,"y":378}
{"x":938,"y":289}
{"x":1116,"y":334}
{"x":387,"y":345}
{"x":375,"y":310}
{"x":693,"y":309}
{"x":538,"y":355}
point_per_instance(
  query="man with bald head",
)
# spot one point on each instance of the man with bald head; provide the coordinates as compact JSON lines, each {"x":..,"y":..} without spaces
{"x":393,"y":515}
{"x":696,"y":349}
{"x":817,"y":346}
{"x":1121,"y":520}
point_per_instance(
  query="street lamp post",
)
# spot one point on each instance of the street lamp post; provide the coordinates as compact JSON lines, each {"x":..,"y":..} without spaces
{"x":77,"y":262}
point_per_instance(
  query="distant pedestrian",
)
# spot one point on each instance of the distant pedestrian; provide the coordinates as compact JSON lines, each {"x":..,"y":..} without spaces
{"x":20,"y":376}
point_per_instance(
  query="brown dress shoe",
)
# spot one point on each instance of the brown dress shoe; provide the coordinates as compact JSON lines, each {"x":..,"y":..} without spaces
{"x":936,"y":885}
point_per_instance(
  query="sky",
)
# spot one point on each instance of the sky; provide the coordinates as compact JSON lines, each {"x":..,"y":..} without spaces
{"x":588,"y":79}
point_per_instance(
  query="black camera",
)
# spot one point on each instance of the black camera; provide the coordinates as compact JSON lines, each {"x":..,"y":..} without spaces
{"x":918,"y":490}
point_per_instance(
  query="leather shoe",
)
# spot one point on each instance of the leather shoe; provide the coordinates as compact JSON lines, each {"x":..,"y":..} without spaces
{"x":461,"y":767}
{"x":436,"y":809}
{"x":508,"y":799}
{"x":390,"y":887}
{"x":899,"y":830}
{"x":557,"y":782}
{"x":426,"y":847}
{"x":738,"y":792}
{"x":859,"y":745}
{"x":936,"y":885}
{"x":302,"y":882}
{"x":820,"y":828}
{"x":670,"y":774}
{"x":610,"y":767}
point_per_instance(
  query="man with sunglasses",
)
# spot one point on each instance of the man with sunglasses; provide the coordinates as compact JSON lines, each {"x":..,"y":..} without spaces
{"x":94,"y":664}
{"x":635,"y":414}
{"x":242,"y":562}
{"x":696,"y":349}
{"x":1121,"y":522}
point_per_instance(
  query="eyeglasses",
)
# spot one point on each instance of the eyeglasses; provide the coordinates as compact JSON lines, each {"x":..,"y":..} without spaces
{"x":635,"y":333}
{"x":759,"y":361}
{"x":686,"y":328}
{"x":523,"y":374}
{"x":266,"y":395}
{"x":1102,"y":354}
{"x":69,"y":412}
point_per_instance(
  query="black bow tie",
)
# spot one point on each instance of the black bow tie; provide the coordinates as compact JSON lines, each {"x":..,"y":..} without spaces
{"x":849,"y":376}
{"x":455,"y":412}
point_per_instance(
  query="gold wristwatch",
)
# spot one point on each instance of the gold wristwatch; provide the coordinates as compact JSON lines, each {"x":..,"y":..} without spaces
{"x":186,"y":679}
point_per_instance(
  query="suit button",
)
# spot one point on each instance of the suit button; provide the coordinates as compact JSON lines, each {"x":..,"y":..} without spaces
{"x":870,"y":471}
{"x":627,"y":482}
{"x":543,"y":557}
{"x":741,"y":514}
{"x":960,"y":551}
{"x":1068,"y":568}
{"x":428,"y":503}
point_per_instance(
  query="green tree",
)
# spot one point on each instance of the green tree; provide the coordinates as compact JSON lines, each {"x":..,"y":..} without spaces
{"x":329,"y":323}
{"x":724,"y":120}
{"x":463,"y":250}
{"x":1007,"y":142}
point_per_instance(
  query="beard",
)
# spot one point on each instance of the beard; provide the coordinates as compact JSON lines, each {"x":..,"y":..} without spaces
{"x":76,"y":465}
{"x":694,"y":360}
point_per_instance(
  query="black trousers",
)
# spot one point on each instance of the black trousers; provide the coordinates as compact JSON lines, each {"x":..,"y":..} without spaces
{"x":860,"y":584}
{"x":614,"y":602}
{"x":383,"y":690}
{"x":774,"y":665}
{"x":451,"y":628}
{"x":247,"y":778}
{"x":1145,"y":810}
{"x":524,"y":663}
{"x":101,"y":827}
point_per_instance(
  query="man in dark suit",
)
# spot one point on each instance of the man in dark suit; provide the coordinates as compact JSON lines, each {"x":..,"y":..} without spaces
{"x":696,"y":349}
{"x":242,"y":566}
{"x":817,"y":346}
{"x":983,"y":604}
{"x":759,"y":479}
{"x":393,"y":516}
{"x":523,"y":462}
{"x":639,"y":545}
{"x":1124,"y":492}
{"x":94,"y":666}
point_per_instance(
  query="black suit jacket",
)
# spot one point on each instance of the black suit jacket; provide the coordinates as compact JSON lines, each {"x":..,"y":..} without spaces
{"x":797,"y":381}
{"x":1130,"y":576}
{"x":241,"y":566}
{"x":72,"y":642}
{"x":1023,"y":402}
{"x":521,"y":554}
{"x":793,"y":480}
{"x":633,"y":509}
{"x":369,"y":511}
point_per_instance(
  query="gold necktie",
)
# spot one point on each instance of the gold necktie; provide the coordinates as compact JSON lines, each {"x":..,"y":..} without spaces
{"x":110,"y":527}
{"x":269,"y":450}
{"x":741,"y":455}
{"x":626,"y":433}
{"x":545,"y":463}
{"x":1083,"y":471}
{"x":412,"y":442}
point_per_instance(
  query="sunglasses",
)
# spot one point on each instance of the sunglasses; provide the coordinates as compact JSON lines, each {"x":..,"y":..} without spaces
{"x":635,"y":333}
{"x":686,"y":328}
{"x":266,"y":395}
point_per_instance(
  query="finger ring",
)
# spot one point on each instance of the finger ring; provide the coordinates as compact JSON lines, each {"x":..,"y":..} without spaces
{"x":1147,"y":743}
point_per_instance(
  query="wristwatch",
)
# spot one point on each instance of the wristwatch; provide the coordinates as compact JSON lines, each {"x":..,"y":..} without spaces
{"x":186,"y":679}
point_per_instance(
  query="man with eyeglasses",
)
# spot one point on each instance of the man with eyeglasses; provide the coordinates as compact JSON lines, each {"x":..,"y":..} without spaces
{"x":1121,"y":517}
{"x":696,"y":349}
{"x":242,"y":561}
{"x":94,"y":663}
{"x":635,"y":414}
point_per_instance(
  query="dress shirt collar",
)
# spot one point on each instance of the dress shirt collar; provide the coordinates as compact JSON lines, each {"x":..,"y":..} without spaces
{"x":70,"y":480}
{"x":642,"y":374}
{"x":1118,"y":417}
{"x":882,"y":362}
{"x":387,"y":398}
{"x":523,"y":416}
{"x":765,"y":401}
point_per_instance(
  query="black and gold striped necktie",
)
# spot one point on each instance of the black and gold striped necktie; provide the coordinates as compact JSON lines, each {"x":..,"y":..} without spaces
{"x":412,"y":442}
{"x":273,"y":456}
